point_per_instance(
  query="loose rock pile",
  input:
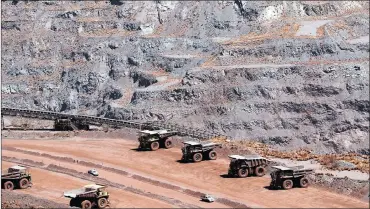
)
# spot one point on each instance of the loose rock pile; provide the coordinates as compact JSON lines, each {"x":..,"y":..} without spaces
{"x":11,"y":199}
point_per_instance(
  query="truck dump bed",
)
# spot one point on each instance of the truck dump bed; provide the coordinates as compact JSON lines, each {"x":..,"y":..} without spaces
{"x":302,"y":171}
{"x":74,"y":193}
{"x":247,"y":157}
{"x":82,"y":191}
{"x":13,"y":175}
{"x":250,"y":160}
{"x":159,"y":132}
{"x":204,"y":144}
{"x":297,"y":170}
{"x":211,"y":144}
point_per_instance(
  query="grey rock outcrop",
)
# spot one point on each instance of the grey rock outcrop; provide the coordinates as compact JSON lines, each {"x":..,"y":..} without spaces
{"x":289,"y":74}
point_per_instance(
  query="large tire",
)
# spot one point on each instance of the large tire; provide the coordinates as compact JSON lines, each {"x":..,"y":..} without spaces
{"x":212,"y":155}
{"x":154,"y":146}
{"x":102,"y":202}
{"x":23,"y":183}
{"x":8,"y":185}
{"x":242,"y":172}
{"x":303,"y":182}
{"x":287,"y":184}
{"x":259,"y":171}
{"x":168,"y":143}
{"x":197,"y":157}
{"x":86,"y":204}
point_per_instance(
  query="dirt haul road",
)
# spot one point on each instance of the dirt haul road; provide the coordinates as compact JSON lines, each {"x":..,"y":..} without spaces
{"x":162,"y":165}
{"x":119,"y":179}
{"x":50,"y":185}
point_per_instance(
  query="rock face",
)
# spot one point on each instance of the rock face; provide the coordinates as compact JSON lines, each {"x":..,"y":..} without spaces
{"x":290,"y":74}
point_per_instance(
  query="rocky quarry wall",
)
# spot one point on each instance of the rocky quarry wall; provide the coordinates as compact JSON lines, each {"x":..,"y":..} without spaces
{"x":289,"y":74}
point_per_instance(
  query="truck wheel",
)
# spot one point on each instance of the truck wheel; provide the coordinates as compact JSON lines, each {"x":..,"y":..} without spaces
{"x":212,"y":155}
{"x":102,"y":202}
{"x":9,"y":185}
{"x":154,"y":146}
{"x":197,"y":157}
{"x":86,"y":204}
{"x":23,"y":183}
{"x":242,"y":173}
{"x":259,"y":171}
{"x":287,"y":184}
{"x":303,"y":182}
{"x":168,"y":143}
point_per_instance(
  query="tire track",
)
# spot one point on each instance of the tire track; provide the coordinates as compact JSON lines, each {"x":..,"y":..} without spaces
{"x":84,"y":176}
{"x":190,"y":192}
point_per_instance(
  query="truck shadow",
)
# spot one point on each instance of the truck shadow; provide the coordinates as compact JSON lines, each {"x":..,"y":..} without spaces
{"x":188,"y":162}
{"x":226,"y":176}
{"x":269,"y":188}
{"x":140,"y":150}
{"x":183,"y":162}
{"x":274,"y":189}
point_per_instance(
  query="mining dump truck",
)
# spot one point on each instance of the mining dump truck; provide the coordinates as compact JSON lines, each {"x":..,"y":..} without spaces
{"x":155,"y":139}
{"x":242,"y":166}
{"x":16,"y":177}
{"x":90,"y":196}
{"x":195,"y":151}
{"x":287,"y":177}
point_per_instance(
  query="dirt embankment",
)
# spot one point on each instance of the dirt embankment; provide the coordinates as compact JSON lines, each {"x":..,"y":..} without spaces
{"x":11,"y":199}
